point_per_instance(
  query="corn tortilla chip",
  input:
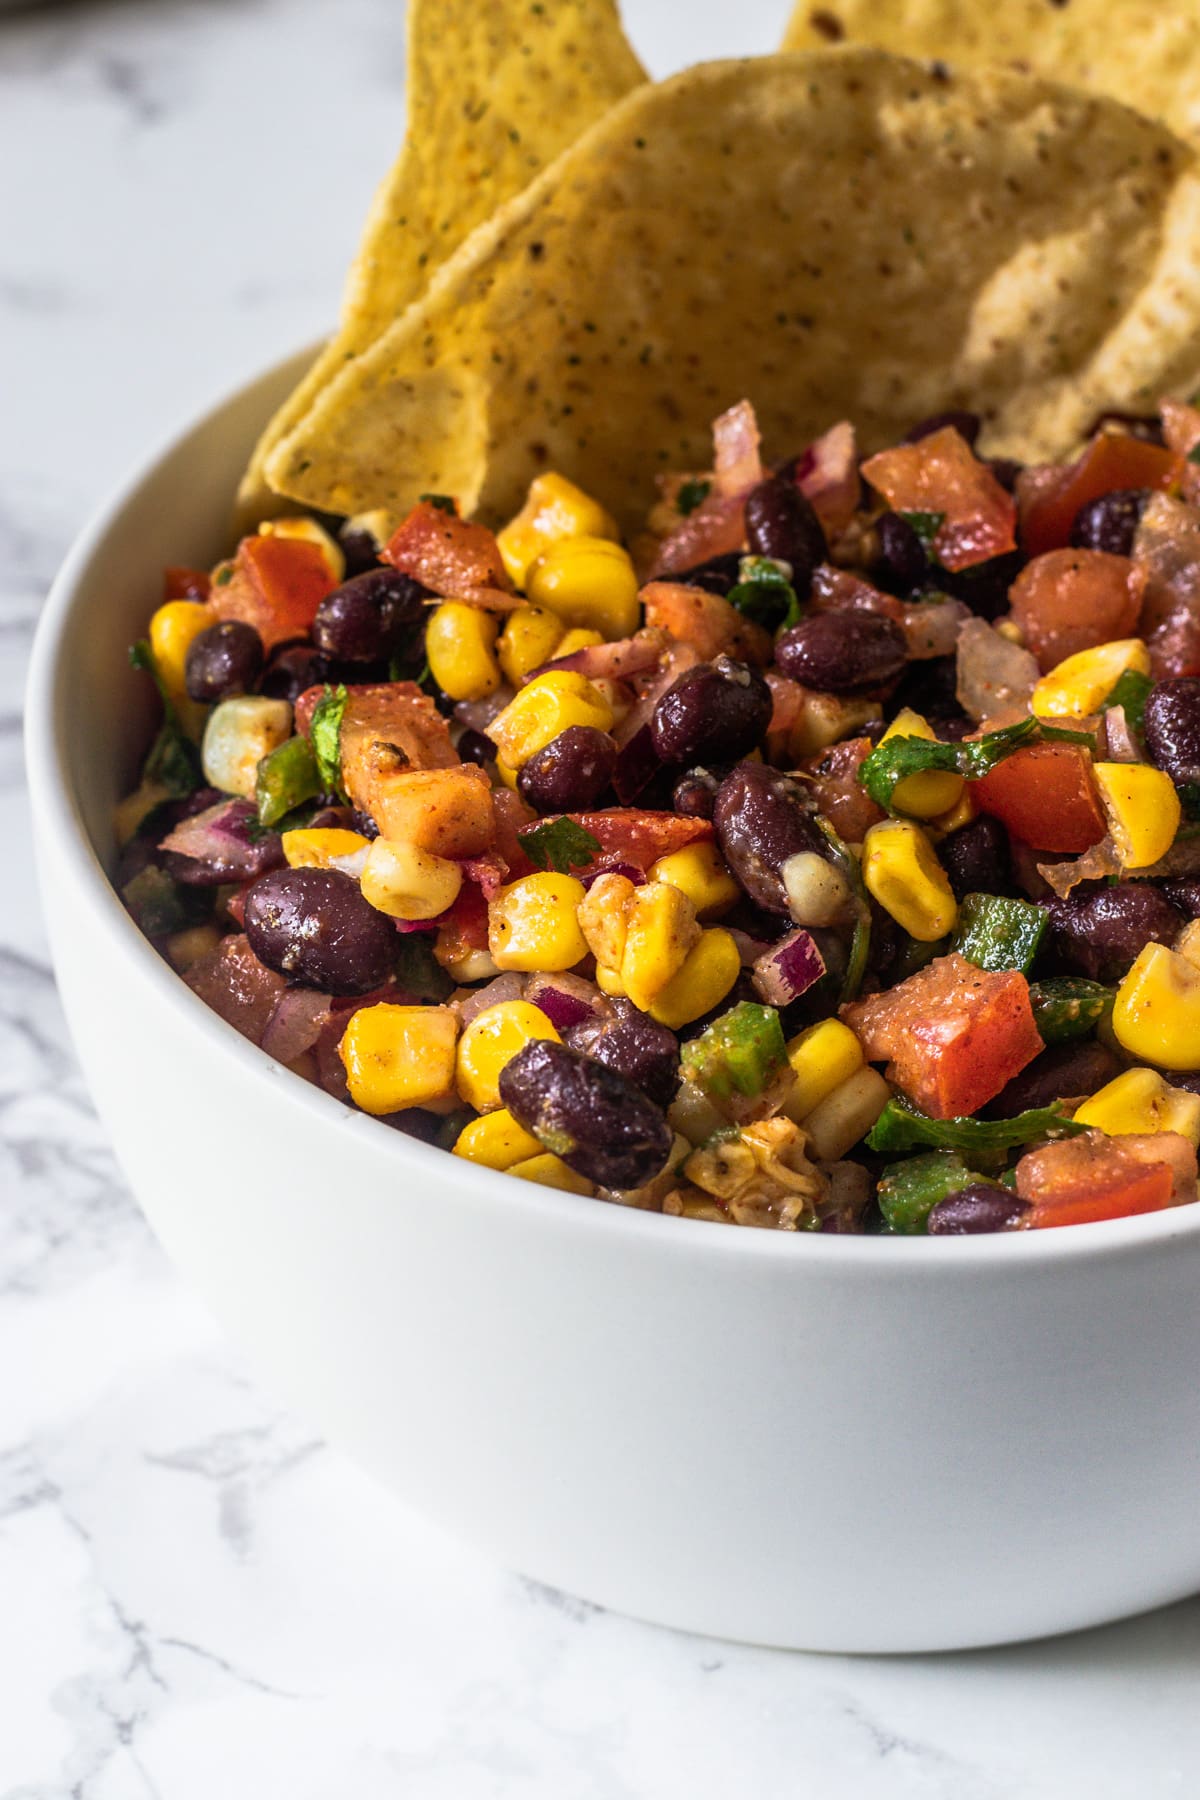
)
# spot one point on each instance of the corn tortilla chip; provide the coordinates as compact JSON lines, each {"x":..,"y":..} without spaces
{"x":494,"y":94}
{"x":1143,"y":52}
{"x":838,"y":235}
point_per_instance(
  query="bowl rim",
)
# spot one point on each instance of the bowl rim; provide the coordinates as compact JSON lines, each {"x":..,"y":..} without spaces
{"x":56,"y":814}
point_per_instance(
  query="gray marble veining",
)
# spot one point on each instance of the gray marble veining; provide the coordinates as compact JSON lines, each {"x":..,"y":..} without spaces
{"x":196,"y":1598}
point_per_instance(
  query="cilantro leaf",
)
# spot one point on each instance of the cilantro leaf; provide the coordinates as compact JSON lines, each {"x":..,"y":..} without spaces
{"x":325,"y":735}
{"x":926,"y":525}
{"x":1131,"y":692}
{"x":172,"y":761}
{"x":764,"y":593}
{"x":691,"y":495}
{"x":559,"y":844}
{"x":897,"y":757}
{"x":1193,"y":455}
{"x":444,"y":502}
{"x":900,"y":1126}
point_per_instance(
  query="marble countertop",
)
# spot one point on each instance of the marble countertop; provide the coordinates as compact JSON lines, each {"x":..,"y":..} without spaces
{"x":198,"y":1600}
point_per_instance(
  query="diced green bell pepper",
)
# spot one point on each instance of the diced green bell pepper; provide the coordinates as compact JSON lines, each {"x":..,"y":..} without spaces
{"x":997,"y":933}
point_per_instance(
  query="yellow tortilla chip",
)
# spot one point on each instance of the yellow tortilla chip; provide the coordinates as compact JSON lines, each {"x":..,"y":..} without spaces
{"x":494,"y":94}
{"x":1143,"y":52}
{"x":839,"y":235}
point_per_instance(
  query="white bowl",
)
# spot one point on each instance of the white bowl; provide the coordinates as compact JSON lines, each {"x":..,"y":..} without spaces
{"x":861,"y":1444}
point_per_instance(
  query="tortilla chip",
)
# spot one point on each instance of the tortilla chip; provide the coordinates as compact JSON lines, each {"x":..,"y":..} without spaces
{"x":494,"y":94}
{"x":1144,"y":52}
{"x":840,"y":235}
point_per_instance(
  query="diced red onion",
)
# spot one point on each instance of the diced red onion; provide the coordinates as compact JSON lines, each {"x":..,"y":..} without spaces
{"x":566,"y":1000}
{"x":613,"y":865}
{"x":789,"y":968}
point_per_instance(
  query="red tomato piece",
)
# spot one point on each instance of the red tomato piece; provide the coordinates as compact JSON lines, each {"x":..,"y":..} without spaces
{"x":186,"y":584}
{"x":277,"y":585}
{"x":641,"y":837}
{"x":953,"y":1035}
{"x":939,"y":474}
{"x":1050,"y":497}
{"x":1077,"y":1180}
{"x":841,"y":590}
{"x":447,"y":554}
{"x":1046,"y":795}
{"x":1071,"y":600}
{"x":464,"y":926}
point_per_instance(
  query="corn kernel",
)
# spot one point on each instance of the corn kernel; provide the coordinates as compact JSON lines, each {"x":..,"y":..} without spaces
{"x":602,"y":916}
{"x":609,"y":982}
{"x":320,"y":849}
{"x":699,"y":872}
{"x":238,"y":735}
{"x":135,"y":808}
{"x":578,"y":639}
{"x":489,"y":1044}
{"x":459,"y":642}
{"x":531,"y":636}
{"x":552,"y":1172}
{"x":961,"y":813}
{"x":1080,"y":684}
{"x":310,"y":532}
{"x":409,"y":883}
{"x":821,"y":1058}
{"x":399,"y":1056}
{"x":660,"y":931}
{"x":712,"y":966}
{"x":1143,"y":810}
{"x":1156,"y":1015}
{"x":172,"y":630}
{"x":846,"y":1115}
{"x":1187,"y":944}
{"x":824,"y":719}
{"x":546,"y":706}
{"x":931,"y":792}
{"x":903,"y":873}
{"x":473,"y":966}
{"x":1139,"y":1100}
{"x":554,"y":508}
{"x":497,"y":1141}
{"x":532,"y":923}
{"x":587,"y":581}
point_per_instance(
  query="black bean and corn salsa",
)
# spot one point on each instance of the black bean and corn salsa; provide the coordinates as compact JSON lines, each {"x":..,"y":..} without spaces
{"x":828,"y":858}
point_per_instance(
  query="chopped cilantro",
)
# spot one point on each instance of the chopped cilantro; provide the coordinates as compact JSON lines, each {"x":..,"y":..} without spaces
{"x":691,"y":494}
{"x":224,"y":575}
{"x":1193,"y":455}
{"x":418,"y":971}
{"x":1132,"y":692}
{"x":444,"y":502}
{"x":559,"y":844}
{"x":901,"y":1126}
{"x":764,"y":593}
{"x":926,"y":525}
{"x":897,"y":757}
{"x":325,"y":735}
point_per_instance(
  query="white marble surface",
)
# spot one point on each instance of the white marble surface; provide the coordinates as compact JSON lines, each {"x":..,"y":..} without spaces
{"x":198,"y":1601}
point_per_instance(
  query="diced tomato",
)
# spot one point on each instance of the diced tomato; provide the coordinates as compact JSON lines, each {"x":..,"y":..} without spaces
{"x":940,"y":474}
{"x":185,"y":584}
{"x":1050,"y":497}
{"x":1046,"y":795}
{"x":1077,"y":1180}
{"x":641,"y":837}
{"x":395,"y":710}
{"x":511,"y":816}
{"x":464,"y":927}
{"x":707,"y":622}
{"x":837,"y":791}
{"x":447,"y":554}
{"x":277,"y":585}
{"x":1071,"y":600}
{"x":953,"y":1035}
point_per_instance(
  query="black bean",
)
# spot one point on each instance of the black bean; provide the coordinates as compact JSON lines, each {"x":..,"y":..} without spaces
{"x":370,"y":616}
{"x":967,"y":424}
{"x":902,"y":564}
{"x":1145,"y":426}
{"x":1060,"y":1073}
{"x":571,"y":772}
{"x":695,"y":793}
{"x":1185,"y":894}
{"x":980,"y":1207}
{"x":636,"y":1046}
{"x":1006,"y":470}
{"x":291,"y":670}
{"x":1099,"y":933}
{"x":474,"y":747}
{"x":1187,"y":1079}
{"x":781,"y":523}
{"x":363,"y":823}
{"x":1172,"y":727}
{"x":222,"y":661}
{"x":761,"y":820}
{"x":588,"y":1114}
{"x":1110,"y":522}
{"x":984,"y":586}
{"x":359,"y":549}
{"x":314,"y":926}
{"x":842,"y":652}
{"x":715,"y":711}
{"x":716,"y":576}
{"x":930,"y":687}
{"x":977,"y":859}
